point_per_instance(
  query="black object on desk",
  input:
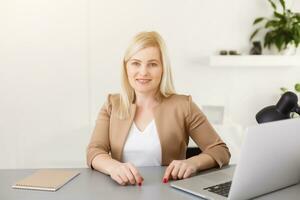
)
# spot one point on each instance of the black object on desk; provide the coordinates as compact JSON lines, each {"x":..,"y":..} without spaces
{"x":287,"y":104}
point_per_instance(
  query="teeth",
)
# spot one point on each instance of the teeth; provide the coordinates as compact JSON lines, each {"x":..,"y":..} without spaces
{"x":143,"y":81}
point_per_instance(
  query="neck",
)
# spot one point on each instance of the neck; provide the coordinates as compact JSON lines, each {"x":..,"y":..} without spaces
{"x":145,"y":100}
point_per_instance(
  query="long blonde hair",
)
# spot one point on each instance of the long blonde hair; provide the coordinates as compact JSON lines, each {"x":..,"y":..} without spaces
{"x":140,"y":41}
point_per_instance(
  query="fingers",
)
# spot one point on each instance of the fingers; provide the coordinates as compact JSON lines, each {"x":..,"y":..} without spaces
{"x":123,"y":177}
{"x":118,"y":179}
{"x":181,"y":172}
{"x":179,"y":169}
{"x":168,"y":172}
{"x":175,"y":171}
{"x":138,"y":178}
{"x":129,"y":176}
{"x":188,"y":173}
{"x":126,"y":173}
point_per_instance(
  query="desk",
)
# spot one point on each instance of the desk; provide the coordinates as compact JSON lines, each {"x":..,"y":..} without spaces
{"x":91,"y":185}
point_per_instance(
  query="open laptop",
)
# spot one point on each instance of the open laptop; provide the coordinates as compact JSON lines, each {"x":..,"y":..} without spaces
{"x":269,"y":160}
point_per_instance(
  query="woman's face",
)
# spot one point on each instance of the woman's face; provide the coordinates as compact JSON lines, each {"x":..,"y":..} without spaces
{"x":144,"y":70}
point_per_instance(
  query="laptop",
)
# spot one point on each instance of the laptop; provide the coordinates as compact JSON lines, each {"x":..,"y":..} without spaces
{"x":269,"y":160}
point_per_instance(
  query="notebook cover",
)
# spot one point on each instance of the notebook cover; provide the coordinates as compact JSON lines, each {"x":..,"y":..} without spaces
{"x":46,"y":179}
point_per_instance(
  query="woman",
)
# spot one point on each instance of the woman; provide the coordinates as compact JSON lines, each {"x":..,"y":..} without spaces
{"x":148,"y":124}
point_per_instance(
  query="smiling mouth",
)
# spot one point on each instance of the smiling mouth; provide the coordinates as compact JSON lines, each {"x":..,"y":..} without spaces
{"x":143,"y":81}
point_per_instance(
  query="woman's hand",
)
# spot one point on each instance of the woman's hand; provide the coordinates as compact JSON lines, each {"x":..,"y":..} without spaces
{"x":126,"y":173}
{"x":180,"y":169}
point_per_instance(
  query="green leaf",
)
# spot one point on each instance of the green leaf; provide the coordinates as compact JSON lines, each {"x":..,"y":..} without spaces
{"x":254,"y":33}
{"x":297,"y":87}
{"x":279,"y":41}
{"x":282,"y":2}
{"x":257,"y":20}
{"x":297,"y":36}
{"x":297,"y":15}
{"x":267,"y":40}
{"x":272,"y":4}
{"x":272,"y":23}
{"x":282,"y":29}
{"x":283,"y":89}
{"x":278,"y":15}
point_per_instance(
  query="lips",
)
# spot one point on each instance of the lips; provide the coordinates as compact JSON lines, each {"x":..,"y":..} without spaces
{"x":143,"y":81}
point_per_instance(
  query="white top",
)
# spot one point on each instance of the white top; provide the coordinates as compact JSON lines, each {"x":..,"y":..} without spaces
{"x":142,"y":148}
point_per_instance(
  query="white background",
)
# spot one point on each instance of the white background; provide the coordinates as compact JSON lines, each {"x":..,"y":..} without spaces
{"x":59,"y":60}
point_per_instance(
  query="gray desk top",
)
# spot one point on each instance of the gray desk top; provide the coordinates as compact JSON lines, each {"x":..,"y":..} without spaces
{"x":94,"y":185}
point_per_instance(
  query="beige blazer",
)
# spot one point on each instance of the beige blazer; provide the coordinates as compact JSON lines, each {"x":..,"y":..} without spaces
{"x":176,"y":117}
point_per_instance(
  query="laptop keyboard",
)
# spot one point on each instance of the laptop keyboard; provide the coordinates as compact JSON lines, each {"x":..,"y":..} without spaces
{"x":220,"y":189}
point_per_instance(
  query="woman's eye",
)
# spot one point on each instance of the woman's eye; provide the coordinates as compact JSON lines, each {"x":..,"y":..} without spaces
{"x":153,"y":64}
{"x":135,"y":64}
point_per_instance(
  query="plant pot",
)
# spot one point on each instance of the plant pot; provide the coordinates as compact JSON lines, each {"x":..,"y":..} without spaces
{"x":288,"y":51}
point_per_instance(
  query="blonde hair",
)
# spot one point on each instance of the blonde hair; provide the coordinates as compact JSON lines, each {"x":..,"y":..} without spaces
{"x":140,"y":41}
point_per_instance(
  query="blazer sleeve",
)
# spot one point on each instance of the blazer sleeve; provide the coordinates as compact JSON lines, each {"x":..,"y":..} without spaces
{"x":99,"y":142}
{"x":205,"y":136}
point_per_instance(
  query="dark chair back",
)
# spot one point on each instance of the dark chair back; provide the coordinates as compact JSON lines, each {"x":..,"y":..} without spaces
{"x":192,"y":151}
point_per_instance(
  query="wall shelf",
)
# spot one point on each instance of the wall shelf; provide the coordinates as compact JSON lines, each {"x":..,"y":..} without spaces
{"x":254,"y":61}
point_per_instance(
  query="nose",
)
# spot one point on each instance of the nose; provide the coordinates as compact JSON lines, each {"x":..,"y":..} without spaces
{"x":143,"y":70}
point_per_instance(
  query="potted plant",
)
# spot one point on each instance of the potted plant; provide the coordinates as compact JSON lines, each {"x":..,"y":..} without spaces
{"x":282,"y":28}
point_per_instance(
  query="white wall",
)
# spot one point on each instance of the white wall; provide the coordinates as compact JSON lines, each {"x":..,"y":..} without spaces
{"x":59,"y":59}
{"x":193,"y":29}
{"x":44,"y":106}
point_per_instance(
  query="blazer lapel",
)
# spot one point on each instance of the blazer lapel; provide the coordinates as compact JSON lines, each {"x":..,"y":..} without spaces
{"x":123,"y":130}
{"x":159,"y":122}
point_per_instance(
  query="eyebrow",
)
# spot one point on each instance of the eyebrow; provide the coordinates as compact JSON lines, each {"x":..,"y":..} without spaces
{"x":134,"y":59}
{"x":153,"y":60}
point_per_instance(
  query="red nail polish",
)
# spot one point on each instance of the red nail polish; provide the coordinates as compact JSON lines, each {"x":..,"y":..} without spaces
{"x":140,"y":183}
{"x":165,"y":180}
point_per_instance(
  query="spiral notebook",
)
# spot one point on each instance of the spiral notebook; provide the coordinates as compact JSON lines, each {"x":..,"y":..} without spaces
{"x":46,"y":179}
